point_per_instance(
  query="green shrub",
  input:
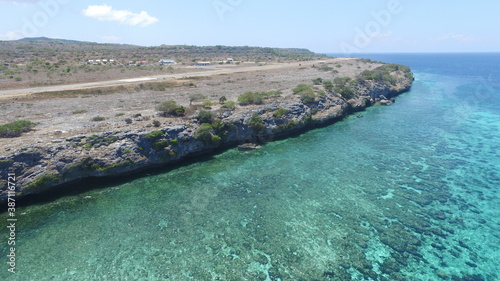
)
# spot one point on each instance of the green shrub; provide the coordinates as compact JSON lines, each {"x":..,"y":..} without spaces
{"x":43,"y":180}
{"x":79,"y":111}
{"x":250,"y":98}
{"x":346,"y":92}
{"x":16,"y":128}
{"x":222,"y":100}
{"x":305,"y":92}
{"x":159,"y":145}
{"x":207,"y":103}
{"x":280,"y":112}
{"x":215,"y":140}
{"x":218,"y":125}
{"x":300,"y":88}
{"x":325,"y":67}
{"x":256,"y":122}
{"x":205,"y":117}
{"x":317,"y":81}
{"x":174,"y":142}
{"x":170,"y":108}
{"x":154,"y":135}
{"x":231,"y":105}
{"x":195,"y":97}
{"x":206,"y":134}
{"x":98,"y":119}
{"x":256,"y":98}
{"x":341,"y":81}
{"x":328,"y":85}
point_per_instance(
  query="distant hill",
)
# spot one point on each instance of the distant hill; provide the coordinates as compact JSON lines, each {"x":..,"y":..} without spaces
{"x":55,"y":50}
{"x":46,"y":39}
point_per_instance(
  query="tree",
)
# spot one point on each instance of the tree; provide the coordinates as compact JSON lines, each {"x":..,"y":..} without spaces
{"x":222,"y":100}
{"x":170,"y":108}
{"x":205,"y":117}
{"x":195,"y":97}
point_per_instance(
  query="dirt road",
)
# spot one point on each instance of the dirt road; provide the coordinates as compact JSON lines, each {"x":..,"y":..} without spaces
{"x":213,"y":70}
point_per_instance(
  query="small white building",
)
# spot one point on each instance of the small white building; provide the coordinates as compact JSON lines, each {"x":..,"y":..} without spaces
{"x":203,"y":63}
{"x":166,"y":62}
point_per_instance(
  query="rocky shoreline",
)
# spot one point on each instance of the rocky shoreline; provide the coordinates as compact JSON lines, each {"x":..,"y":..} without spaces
{"x":42,"y":167}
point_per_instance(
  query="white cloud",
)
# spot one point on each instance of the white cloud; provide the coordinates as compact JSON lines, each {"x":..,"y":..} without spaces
{"x":107,"y":13}
{"x":12,"y":35}
{"x":378,"y":35}
{"x":456,"y":37}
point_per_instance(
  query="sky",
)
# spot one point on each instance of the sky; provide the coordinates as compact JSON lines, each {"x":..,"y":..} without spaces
{"x":324,"y":26}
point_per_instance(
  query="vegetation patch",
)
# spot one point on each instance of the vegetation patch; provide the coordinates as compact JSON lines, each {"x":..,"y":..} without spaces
{"x":196,"y":97}
{"x":205,"y":116}
{"x":383,"y":73}
{"x":279,"y":113}
{"x":6,"y":161}
{"x":231,"y":105}
{"x":155,"y":86}
{"x":256,"y":122}
{"x":90,"y":165}
{"x":248,"y":98}
{"x":206,"y":133}
{"x":98,"y":119}
{"x":16,"y":128}
{"x":42,"y":181}
{"x":154,"y":135}
{"x":306,"y":93}
{"x":170,"y":108}
{"x":344,"y":87}
{"x":161,"y":144}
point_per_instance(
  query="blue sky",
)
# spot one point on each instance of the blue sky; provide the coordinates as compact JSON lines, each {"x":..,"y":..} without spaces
{"x":319,"y":25}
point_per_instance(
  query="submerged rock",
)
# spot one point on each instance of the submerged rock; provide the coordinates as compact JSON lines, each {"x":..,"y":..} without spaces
{"x":248,"y":147}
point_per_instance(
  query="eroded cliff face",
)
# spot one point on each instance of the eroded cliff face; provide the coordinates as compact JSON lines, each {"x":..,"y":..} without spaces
{"x":41,"y":167}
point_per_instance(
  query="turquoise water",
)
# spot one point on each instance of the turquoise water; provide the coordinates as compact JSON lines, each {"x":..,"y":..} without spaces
{"x":409,"y":192}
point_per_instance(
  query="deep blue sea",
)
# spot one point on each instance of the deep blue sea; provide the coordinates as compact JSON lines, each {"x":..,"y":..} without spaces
{"x":409,"y":192}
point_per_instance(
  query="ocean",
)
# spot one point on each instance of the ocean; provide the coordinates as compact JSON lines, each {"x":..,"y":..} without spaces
{"x":408,"y":192}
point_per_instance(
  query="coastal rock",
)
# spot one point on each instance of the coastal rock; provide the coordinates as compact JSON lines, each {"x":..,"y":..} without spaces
{"x":248,"y":147}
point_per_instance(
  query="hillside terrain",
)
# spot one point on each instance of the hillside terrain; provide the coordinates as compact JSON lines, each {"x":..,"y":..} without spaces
{"x":34,"y":62}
